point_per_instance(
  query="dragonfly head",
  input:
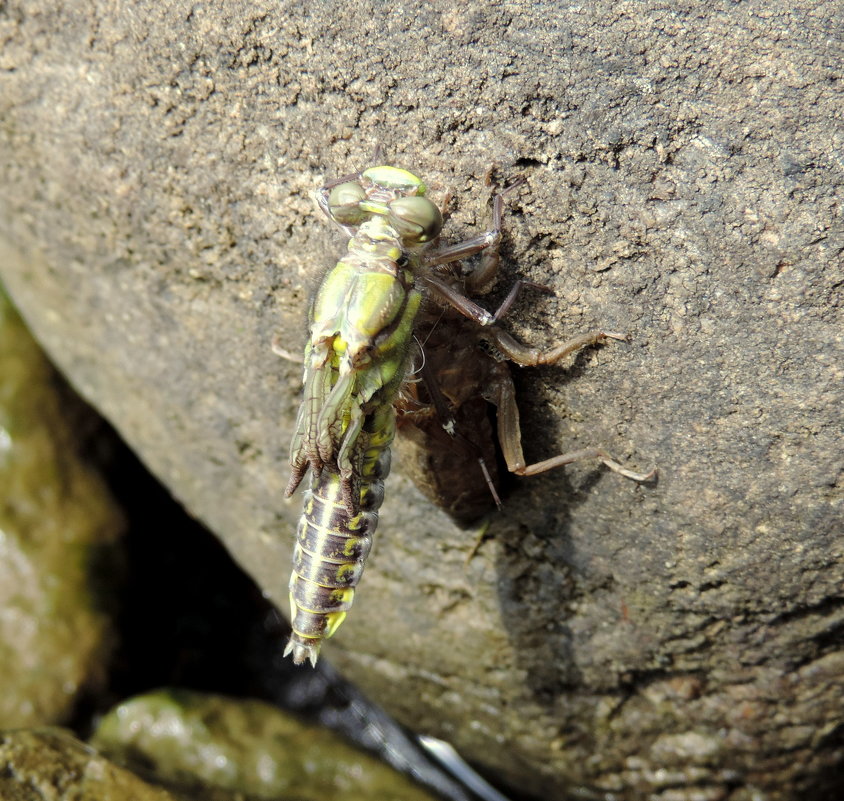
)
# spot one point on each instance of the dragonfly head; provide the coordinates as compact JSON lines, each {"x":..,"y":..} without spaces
{"x":388,"y":192}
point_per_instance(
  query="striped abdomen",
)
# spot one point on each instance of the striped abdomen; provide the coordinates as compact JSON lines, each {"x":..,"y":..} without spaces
{"x":332,"y":545}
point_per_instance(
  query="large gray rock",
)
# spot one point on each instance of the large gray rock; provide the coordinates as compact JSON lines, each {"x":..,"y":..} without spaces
{"x":616,"y":640}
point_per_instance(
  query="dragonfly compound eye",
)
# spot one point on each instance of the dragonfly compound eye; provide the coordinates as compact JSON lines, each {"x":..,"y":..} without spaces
{"x":416,"y":219}
{"x":343,"y":203}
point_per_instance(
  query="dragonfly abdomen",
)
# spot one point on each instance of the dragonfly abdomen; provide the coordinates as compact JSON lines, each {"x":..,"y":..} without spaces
{"x":332,"y":545}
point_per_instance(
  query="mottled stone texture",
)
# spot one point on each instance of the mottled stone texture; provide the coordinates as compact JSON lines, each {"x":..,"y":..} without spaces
{"x":244,"y":747}
{"x":51,"y":765}
{"x":684,"y":162}
{"x":59,"y":541}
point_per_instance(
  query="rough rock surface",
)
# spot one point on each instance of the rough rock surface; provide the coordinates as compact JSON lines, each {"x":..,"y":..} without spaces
{"x":58,"y":531}
{"x":52,"y":765}
{"x":245,"y":746}
{"x":679,"y":641}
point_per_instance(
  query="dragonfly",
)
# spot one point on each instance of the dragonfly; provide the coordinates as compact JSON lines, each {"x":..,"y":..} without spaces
{"x":357,"y":357}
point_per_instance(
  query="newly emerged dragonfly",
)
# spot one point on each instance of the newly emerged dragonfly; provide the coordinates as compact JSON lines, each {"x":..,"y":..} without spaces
{"x":356,"y":358}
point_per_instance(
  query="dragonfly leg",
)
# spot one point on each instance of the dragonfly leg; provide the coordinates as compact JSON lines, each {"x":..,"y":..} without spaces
{"x":345,"y":456}
{"x":502,"y":394}
{"x":528,"y":356}
{"x":459,"y":302}
{"x":585,"y":453}
{"x":279,"y":350}
{"x":488,"y":245}
{"x":517,"y":287}
{"x":487,"y":269}
{"x":487,"y":241}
